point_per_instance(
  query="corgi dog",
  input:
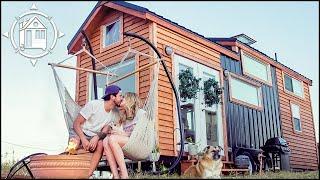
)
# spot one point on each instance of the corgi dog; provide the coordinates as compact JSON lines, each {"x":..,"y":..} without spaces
{"x":208,"y":166}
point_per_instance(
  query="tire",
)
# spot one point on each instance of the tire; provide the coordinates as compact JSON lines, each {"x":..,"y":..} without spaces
{"x":253,"y":164}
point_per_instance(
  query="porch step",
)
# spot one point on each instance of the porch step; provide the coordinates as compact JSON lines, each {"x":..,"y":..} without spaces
{"x":236,"y":171}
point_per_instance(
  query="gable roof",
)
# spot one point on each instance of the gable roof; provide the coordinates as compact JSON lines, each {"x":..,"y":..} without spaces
{"x":144,"y":13}
{"x":32,"y":20}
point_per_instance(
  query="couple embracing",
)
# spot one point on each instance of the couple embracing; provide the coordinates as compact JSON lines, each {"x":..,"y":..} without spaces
{"x":105,"y":125}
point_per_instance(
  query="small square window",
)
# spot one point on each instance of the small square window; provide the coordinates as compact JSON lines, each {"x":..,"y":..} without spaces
{"x":292,"y":85}
{"x":112,"y":33}
{"x":288,"y":83}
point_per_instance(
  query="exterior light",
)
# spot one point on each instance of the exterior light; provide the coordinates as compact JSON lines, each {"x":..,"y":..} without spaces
{"x":168,"y":50}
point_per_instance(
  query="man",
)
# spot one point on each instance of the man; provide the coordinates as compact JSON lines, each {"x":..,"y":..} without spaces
{"x":91,"y":125}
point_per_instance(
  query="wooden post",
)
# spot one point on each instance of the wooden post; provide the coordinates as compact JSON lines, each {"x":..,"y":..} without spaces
{"x":139,"y":166}
{"x":153,"y":166}
{"x":81,"y":69}
{"x":260,"y":157}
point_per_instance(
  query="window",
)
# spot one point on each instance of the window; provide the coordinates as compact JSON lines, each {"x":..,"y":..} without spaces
{"x":111,"y":33}
{"x":42,"y":34}
{"x":244,"y":92}
{"x":256,"y":69}
{"x":37,"y":34}
{"x":127,"y":85}
{"x":293,"y":86}
{"x":295,"y":111}
{"x":187,"y":109}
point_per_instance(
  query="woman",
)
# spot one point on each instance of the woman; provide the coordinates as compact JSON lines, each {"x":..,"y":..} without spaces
{"x":120,"y":134}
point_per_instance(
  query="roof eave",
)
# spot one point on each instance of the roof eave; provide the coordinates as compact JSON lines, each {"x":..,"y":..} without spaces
{"x":114,"y":5}
{"x":77,"y":35}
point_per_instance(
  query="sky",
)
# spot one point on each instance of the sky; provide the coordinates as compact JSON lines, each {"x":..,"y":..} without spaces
{"x":31,"y":114}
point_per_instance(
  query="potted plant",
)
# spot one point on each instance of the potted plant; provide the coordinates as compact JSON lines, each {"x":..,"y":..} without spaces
{"x":212,"y":92}
{"x":192,"y":146}
{"x":189,"y":85}
{"x":155,"y":154}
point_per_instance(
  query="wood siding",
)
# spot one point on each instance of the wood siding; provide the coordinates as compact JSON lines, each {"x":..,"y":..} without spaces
{"x":253,"y":127}
{"x":115,"y":54}
{"x":188,"y":48}
{"x":302,"y":144}
{"x":248,"y":127}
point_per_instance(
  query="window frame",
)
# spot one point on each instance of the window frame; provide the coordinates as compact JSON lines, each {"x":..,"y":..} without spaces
{"x":132,"y":58}
{"x":42,"y":32}
{"x":289,"y":92}
{"x":103,"y":36}
{"x":37,"y":34}
{"x":237,"y":101}
{"x":246,"y":73}
{"x":292,"y":118}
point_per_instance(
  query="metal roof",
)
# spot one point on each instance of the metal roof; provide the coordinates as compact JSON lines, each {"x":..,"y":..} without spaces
{"x":145,"y":10}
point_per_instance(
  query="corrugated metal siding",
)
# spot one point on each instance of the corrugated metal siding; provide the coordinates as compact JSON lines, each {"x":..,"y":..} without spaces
{"x":248,"y":127}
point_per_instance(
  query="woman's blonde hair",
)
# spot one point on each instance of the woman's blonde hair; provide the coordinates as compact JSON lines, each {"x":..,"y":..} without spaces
{"x":133,"y":102}
{"x":132,"y":105}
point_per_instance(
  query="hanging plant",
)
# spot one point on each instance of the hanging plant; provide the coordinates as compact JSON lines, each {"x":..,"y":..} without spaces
{"x":189,"y":85}
{"x":212,"y":92}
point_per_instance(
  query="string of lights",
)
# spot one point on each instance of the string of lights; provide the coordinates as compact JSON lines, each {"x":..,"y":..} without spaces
{"x":31,"y":147}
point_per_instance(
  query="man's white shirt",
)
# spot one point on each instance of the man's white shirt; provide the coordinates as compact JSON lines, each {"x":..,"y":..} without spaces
{"x":96,"y":117}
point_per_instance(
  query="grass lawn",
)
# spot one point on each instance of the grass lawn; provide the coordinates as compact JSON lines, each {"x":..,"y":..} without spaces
{"x":267,"y":175}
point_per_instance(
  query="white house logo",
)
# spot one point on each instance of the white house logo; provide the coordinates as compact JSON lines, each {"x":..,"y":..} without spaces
{"x":37,"y":34}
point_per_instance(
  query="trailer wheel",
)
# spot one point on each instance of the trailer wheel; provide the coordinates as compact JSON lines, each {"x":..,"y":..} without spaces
{"x":252,"y":165}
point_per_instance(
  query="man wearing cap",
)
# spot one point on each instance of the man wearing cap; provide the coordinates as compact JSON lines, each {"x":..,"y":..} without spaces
{"x":90,"y":127}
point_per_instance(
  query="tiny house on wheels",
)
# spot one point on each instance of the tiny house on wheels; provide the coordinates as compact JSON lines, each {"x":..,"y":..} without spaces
{"x":261,"y":97}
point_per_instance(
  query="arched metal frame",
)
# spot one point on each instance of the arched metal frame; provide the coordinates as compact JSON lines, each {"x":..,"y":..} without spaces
{"x":177,"y":102}
{"x":23,"y":162}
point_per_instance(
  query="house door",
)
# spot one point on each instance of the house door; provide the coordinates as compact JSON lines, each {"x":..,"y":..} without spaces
{"x":28,"y":39}
{"x":202,"y":123}
{"x":210,"y":116}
